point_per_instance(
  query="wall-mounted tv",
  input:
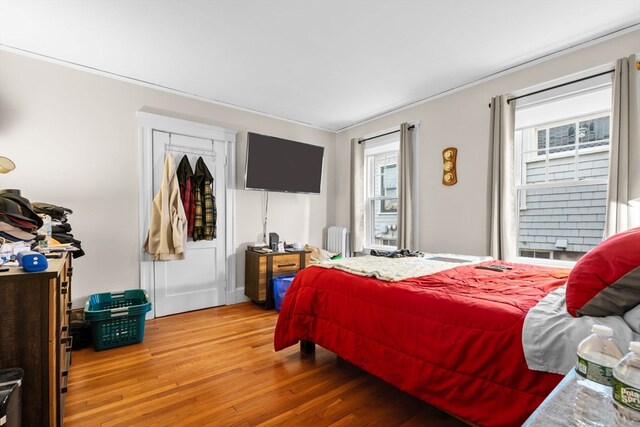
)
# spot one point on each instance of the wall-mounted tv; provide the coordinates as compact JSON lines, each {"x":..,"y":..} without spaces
{"x":276,"y":164}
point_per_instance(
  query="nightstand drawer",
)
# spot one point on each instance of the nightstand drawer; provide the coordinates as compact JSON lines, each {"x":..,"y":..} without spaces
{"x":283,"y":264}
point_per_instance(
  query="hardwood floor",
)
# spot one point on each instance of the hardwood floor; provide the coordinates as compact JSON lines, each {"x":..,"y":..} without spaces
{"x":218,"y":367}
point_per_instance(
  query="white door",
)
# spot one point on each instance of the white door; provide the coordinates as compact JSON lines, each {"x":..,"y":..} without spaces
{"x":199,"y":280}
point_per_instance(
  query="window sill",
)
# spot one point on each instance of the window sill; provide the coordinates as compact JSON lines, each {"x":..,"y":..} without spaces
{"x":544,"y":262}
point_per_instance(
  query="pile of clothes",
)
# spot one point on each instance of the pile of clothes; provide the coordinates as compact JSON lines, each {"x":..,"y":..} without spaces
{"x":400,"y":253}
{"x":60,"y":227}
{"x":20,"y":221}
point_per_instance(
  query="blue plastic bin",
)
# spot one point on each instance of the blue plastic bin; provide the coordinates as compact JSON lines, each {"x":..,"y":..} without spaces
{"x":280,"y":286}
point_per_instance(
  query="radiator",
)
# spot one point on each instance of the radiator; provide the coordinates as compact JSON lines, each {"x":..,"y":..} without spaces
{"x":338,"y":240}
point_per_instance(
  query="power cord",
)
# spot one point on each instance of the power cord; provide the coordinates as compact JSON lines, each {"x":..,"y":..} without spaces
{"x":264,"y":222}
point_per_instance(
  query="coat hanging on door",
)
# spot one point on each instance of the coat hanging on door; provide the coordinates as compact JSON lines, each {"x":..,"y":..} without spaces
{"x":205,"y":203}
{"x":185,"y":181}
{"x":167,"y":235}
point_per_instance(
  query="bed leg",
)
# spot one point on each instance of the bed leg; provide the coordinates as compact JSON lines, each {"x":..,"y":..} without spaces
{"x":307,"y":347}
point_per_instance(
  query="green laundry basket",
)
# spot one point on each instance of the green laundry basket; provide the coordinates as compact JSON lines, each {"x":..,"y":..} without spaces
{"x":117,"y":318}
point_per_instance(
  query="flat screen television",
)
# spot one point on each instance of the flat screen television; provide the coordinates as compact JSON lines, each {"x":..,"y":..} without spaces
{"x":276,"y":164}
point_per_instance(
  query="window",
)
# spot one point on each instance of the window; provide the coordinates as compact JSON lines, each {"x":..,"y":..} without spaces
{"x":557,"y":139}
{"x":381,"y":191}
{"x":562,"y":161}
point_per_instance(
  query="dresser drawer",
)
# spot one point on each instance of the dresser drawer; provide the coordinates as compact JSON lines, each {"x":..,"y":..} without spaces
{"x":285,"y":264}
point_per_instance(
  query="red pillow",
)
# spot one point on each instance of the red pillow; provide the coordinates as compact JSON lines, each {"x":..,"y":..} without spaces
{"x":606,"y":280}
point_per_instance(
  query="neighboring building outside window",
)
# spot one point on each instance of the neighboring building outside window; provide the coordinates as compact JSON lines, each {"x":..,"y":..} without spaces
{"x":388,"y":184}
{"x":381,"y":192}
{"x":562,"y":161}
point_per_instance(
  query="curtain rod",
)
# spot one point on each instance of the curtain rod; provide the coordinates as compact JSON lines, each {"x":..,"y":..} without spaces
{"x":557,"y":86}
{"x":384,"y":134}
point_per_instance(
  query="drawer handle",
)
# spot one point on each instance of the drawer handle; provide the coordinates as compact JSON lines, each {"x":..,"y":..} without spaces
{"x":287,"y":265}
{"x":65,"y":341}
{"x":65,"y":284}
{"x":63,"y":291}
{"x":65,"y":373}
{"x":68,"y":349}
{"x":69,"y":304}
{"x":63,"y":390}
{"x":64,"y":328}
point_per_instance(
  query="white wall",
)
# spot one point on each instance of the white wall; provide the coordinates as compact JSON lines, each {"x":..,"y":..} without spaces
{"x":73,"y":136}
{"x":455,"y":219}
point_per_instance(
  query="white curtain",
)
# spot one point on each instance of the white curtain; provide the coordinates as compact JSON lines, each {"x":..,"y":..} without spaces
{"x":503,"y":230}
{"x":357,"y":196}
{"x":405,"y":188}
{"x":623,"y":192}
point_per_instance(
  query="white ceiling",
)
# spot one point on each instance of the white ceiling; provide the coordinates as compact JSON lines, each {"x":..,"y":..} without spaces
{"x":330,"y":64}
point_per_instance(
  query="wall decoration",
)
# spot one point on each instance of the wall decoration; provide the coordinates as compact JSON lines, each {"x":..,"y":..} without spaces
{"x":449,"y":176}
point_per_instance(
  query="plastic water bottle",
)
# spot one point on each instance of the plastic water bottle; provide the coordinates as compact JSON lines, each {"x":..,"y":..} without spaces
{"x":626,"y":388}
{"x":597,"y":355}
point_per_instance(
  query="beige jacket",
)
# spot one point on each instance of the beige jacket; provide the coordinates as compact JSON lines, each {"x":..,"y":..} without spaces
{"x":167,"y":236}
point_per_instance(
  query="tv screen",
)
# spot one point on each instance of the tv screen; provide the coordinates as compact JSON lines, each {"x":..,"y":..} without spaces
{"x":276,"y":164}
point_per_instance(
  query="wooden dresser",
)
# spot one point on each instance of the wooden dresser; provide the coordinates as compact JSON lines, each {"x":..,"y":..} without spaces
{"x":261,"y":268}
{"x":34,"y":336}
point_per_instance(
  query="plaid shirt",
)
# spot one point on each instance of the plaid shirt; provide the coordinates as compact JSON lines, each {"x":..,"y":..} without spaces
{"x":198,"y":220}
{"x":206,"y":214}
{"x":189,"y":203}
{"x":210,"y":211}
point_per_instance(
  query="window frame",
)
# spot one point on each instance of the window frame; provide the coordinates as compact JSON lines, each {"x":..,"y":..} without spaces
{"x":386,"y":145}
{"x":575,"y":152}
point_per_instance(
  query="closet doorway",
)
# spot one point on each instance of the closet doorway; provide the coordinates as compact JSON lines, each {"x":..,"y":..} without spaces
{"x":201,"y":280}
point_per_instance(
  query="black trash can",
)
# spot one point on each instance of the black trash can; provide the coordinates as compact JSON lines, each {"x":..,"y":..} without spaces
{"x":80,"y":330}
{"x":11,"y":397}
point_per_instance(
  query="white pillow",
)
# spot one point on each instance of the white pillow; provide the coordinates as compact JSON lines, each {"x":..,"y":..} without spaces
{"x":632,"y":317}
{"x":318,"y":254}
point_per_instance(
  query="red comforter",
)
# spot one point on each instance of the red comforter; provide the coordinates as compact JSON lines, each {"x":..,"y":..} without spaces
{"x":452,"y":338}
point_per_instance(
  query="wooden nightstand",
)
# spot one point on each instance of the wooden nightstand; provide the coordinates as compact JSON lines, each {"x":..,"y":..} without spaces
{"x":261,"y":268}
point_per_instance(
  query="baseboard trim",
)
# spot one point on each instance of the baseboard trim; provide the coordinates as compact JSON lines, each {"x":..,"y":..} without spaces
{"x":236,"y":296}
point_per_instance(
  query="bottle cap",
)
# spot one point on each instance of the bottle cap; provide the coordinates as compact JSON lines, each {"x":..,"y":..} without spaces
{"x":634,"y":346}
{"x":603,"y":331}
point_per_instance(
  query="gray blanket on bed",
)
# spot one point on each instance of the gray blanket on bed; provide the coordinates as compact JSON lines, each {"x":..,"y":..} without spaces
{"x":551,"y":335}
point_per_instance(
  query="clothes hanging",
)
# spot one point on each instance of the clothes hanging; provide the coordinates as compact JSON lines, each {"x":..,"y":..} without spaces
{"x":206,"y":215}
{"x":187,"y":194}
{"x":167,"y":235}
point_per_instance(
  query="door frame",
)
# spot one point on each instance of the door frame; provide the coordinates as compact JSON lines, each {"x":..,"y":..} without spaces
{"x":147,"y":123}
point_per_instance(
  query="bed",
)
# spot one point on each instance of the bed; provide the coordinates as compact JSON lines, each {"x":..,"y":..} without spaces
{"x":453,"y":337}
